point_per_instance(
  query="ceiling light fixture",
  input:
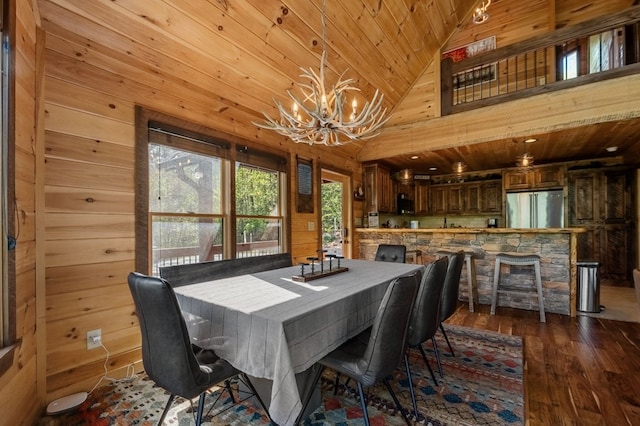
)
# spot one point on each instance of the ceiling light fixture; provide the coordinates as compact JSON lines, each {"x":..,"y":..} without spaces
{"x":319,"y":116}
{"x":525,"y":160}
{"x":480,"y":15}
{"x":612,"y":148}
{"x":405,"y":176}
{"x":459,"y":167}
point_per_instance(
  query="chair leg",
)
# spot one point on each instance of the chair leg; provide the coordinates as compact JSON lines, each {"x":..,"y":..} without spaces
{"x":413,"y":395}
{"x":397,"y":402}
{"x":200,"y":408}
{"x":227,"y":385}
{"x":336,"y":383}
{"x":424,"y":357}
{"x":539,"y":288}
{"x":363,"y":404}
{"x":166,"y":409}
{"x":447,"y":339}
{"x":437,"y":354}
{"x":496,"y":283}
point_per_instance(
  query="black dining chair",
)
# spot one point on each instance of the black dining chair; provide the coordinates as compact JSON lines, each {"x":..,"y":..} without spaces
{"x":425,"y":317}
{"x":391,"y":253}
{"x":372,"y":356}
{"x":167,"y":354}
{"x":449,"y":299}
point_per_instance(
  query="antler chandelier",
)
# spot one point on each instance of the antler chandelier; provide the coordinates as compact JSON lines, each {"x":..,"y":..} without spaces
{"x":480,"y":15}
{"x":318,"y":116}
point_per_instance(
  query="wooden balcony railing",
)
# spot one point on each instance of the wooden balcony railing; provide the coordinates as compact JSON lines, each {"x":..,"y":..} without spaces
{"x":186,"y":255}
{"x":603,"y":48}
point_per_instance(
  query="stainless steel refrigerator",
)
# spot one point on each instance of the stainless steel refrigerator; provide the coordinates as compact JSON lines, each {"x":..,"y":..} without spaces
{"x":538,"y":209}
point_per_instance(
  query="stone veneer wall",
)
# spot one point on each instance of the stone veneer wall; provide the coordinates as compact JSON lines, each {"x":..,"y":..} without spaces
{"x":553,"y":249}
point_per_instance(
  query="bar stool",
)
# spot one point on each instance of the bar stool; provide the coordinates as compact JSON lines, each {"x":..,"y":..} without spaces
{"x":517,"y":260}
{"x":471,"y":273}
{"x":413,"y":256}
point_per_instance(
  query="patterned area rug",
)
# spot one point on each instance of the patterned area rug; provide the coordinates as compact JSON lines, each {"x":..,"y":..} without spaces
{"x":482,"y":385}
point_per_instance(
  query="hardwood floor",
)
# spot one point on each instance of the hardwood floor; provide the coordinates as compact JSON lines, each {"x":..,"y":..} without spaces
{"x":577,"y":371}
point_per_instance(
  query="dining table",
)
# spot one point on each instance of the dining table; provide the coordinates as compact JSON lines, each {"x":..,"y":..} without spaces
{"x":271,"y":326}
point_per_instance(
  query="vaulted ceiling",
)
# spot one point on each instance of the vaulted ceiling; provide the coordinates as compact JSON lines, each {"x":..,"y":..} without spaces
{"x":226,"y":60}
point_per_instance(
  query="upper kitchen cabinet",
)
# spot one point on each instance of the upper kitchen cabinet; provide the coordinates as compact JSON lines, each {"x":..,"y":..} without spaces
{"x":379,"y":189}
{"x":466,"y":198}
{"x":491,"y":196}
{"x":446,"y":199}
{"x":421,"y":197}
{"x":539,"y":177}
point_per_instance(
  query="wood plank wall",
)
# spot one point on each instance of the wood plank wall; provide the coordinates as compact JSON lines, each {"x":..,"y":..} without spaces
{"x":19,"y":403}
{"x":89,"y":209}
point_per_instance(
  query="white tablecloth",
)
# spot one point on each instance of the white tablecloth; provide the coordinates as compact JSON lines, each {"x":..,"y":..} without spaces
{"x":269,"y":326}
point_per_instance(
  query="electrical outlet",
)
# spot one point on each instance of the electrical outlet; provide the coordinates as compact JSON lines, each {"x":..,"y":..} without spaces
{"x":94,"y":339}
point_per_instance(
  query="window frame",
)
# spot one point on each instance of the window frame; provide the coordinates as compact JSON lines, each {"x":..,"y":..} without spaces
{"x":235,"y":150}
{"x":8,"y":335}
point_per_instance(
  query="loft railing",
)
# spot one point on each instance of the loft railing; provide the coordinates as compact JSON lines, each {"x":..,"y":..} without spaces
{"x":599,"y":49}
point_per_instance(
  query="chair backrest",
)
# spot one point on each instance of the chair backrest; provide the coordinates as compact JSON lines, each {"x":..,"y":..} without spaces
{"x":425,"y":317}
{"x":391,"y":253}
{"x":167,"y":354}
{"x":449,"y":300}
{"x":388,"y":338}
{"x":179,"y":275}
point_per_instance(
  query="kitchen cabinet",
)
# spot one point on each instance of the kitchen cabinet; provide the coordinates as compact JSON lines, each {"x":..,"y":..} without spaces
{"x":492,"y":197}
{"x":602,"y":201}
{"x":466,"y":198}
{"x":472,"y":198}
{"x":380,"y":191}
{"x":439,"y":194}
{"x":446,"y":199}
{"x":539,"y":177}
{"x":421,"y":197}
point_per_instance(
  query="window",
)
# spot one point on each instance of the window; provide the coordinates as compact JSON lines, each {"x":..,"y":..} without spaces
{"x":606,"y":50}
{"x":258,"y":217}
{"x":570,"y":65}
{"x":206,"y":198}
{"x":185,"y":206}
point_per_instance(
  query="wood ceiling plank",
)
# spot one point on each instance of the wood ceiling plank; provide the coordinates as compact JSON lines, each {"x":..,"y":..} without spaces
{"x":303,"y":26}
{"x":179,"y":66}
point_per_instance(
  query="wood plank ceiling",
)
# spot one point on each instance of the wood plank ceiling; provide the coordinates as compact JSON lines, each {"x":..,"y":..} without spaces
{"x":229,"y":59}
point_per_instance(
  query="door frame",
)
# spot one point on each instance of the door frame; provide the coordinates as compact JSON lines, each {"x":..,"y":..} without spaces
{"x":345,"y":177}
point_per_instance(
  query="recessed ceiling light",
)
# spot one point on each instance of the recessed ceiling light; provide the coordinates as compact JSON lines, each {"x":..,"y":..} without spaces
{"x":612,"y":148}
{"x":530,"y":140}
{"x":414,"y":157}
{"x":433,"y":169}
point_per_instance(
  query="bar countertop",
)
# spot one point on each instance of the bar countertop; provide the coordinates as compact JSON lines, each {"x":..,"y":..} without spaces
{"x":461,"y":230}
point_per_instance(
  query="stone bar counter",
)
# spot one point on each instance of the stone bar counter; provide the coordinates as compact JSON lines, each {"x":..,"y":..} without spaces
{"x":557,"y":248}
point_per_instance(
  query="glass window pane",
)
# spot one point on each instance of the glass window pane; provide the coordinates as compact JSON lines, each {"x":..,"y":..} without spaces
{"x":178,"y":240}
{"x":256,"y":237}
{"x":257,"y":191}
{"x":182,"y":181}
{"x":570,"y":65}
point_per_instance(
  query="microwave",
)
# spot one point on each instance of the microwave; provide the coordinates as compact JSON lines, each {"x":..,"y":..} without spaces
{"x":405,"y":204}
